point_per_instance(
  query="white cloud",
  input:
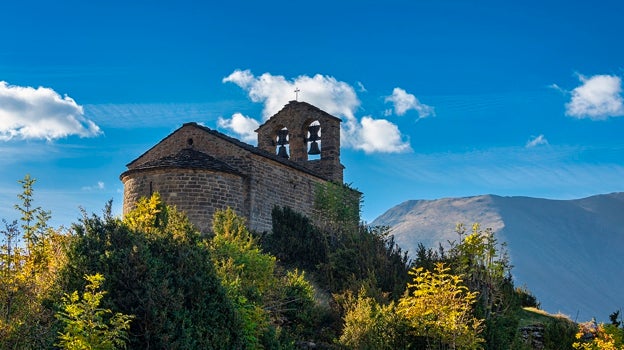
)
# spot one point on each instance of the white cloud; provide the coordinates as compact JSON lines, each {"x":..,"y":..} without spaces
{"x":334,"y":97}
{"x":377,"y":136}
{"x":404,"y":102}
{"x":536,"y":141}
{"x":98,"y":187}
{"x":242,"y":78}
{"x":597,"y":98}
{"x":274,"y":91}
{"x":557,"y":88}
{"x":243,"y":126}
{"x":361,"y":87}
{"x":41,"y":113}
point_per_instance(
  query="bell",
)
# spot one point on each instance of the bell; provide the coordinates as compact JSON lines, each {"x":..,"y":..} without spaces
{"x":282,"y":152}
{"x":282,"y":137}
{"x":314,"y":130}
{"x":314,"y":148}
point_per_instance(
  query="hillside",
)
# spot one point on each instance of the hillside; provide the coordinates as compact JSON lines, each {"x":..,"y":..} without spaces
{"x":569,"y":253}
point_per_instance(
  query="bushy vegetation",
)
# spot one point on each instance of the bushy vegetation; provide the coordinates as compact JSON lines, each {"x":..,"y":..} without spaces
{"x":342,"y":253}
{"x":157,"y":269}
{"x":594,"y":336}
{"x":343,"y":257}
{"x":275,"y":307}
{"x":151,"y":280}
{"x":30,"y":258}
{"x":87,"y":325}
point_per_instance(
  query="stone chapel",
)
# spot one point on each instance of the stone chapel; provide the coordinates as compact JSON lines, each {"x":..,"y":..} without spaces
{"x":200,"y":170}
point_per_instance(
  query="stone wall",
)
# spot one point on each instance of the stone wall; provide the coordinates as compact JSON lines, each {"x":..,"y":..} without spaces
{"x":273,"y":184}
{"x":198,"y":193}
{"x":266,"y":182}
{"x":296,"y":117}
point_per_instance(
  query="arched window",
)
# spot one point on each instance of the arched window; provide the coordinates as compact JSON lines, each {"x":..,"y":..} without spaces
{"x":313,"y":140}
{"x":281,"y":141}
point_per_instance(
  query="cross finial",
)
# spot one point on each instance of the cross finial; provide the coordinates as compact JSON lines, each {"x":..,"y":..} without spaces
{"x":297,"y":94}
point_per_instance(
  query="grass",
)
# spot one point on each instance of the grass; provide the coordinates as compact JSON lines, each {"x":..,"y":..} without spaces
{"x":532,"y":316}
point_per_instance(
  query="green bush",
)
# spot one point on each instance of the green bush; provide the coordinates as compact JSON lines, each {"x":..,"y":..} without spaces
{"x":157,"y":269}
{"x":559,"y":334}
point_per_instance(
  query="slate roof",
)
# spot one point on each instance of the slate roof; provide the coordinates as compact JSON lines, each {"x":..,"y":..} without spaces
{"x":186,"y":158}
{"x":236,"y":142}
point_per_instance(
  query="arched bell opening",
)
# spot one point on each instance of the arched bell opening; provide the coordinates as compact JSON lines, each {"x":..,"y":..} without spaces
{"x":282,"y":148}
{"x":313,"y":140}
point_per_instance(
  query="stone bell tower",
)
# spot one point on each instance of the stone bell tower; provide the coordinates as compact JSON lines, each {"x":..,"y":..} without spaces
{"x":305,"y":135}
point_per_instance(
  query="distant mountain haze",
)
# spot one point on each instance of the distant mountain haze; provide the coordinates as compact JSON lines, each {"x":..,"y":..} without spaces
{"x":568,"y":253}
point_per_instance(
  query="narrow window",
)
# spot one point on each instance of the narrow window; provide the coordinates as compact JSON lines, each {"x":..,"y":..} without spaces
{"x":282,"y":143}
{"x":313,"y":140}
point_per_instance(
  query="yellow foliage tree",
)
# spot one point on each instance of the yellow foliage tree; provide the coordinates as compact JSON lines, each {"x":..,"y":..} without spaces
{"x":369,"y":325}
{"x":87,"y":325}
{"x":439,"y":308}
{"x":31,"y":254}
{"x":592,"y":336}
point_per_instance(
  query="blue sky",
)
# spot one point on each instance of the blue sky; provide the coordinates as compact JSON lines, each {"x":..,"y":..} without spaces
{"x":438,"y":98}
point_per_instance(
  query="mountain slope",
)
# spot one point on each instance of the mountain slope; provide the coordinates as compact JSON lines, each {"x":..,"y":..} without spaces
{"x":569,"y":253}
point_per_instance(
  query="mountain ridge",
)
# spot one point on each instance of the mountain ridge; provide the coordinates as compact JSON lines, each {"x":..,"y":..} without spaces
{"x":569,"y":253}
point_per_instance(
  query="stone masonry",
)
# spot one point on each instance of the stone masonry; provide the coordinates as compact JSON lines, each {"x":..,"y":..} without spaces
{"x":200,"y":170}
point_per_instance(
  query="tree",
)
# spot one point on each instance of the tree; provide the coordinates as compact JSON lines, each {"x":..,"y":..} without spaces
{"x":440,"y":308}
{"x":245,"y":271}
{"x":294,"y":240}
{"x":369,"y":325}
{"x":277,"y":307}
{"x":295,"y":309}
{"x":592,"y":336}
{"x":30,"y":256}
{"x":158,"y":269}
{"x":337,"y":207}
{"x":87,"y":326}
{"x":485,"y":266}
{"x":341,"y":260}
{"x":613,"y":317}
{"x":11,"y":264}
{"x":34,"y":219}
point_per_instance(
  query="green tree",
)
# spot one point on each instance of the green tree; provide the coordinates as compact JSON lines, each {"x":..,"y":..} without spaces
{"x":277,"y":307}
{"x":340,"y":260}
{"x":439,"y":307}
{"x":158,"y":269}
{"x":337,"y":207}
{"x":296,"y":308}
{"x":485,"y":265}
{"x":295,"y":241}
{"x":87,"y":326}
{"x":34,"y":219}
{"x":245,"y":271}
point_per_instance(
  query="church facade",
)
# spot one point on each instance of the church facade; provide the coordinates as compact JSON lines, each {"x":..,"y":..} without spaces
{"x":200,"y":170}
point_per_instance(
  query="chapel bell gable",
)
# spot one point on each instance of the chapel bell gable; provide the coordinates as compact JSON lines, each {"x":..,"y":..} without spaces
{"x":306,"y":135}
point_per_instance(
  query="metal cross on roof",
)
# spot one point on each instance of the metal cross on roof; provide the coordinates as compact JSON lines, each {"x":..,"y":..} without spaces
{"x":297,"y":94}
